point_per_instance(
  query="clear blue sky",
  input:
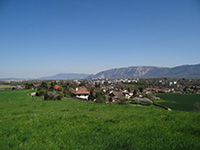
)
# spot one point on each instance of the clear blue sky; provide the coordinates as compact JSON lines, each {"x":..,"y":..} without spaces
{"x":46,"y":37}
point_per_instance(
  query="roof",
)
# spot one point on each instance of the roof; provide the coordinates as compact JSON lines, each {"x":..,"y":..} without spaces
{"x":118,"y":94}
{"x":81,"y":90}
{"x":56,"y":87}
{"x":36,"y":85}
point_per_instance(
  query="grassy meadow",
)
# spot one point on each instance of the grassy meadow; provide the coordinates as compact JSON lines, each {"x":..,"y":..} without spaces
{"x":183,"y":102}
{"x":74,"y":124}
{"x":15,"y":95}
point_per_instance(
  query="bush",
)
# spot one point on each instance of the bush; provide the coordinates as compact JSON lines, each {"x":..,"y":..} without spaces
{"x":122,"y":101}
{"x":52,"y":95}
{"x":41,"y":92}
{"x":144,"y":101}
{"x":100,"y":98}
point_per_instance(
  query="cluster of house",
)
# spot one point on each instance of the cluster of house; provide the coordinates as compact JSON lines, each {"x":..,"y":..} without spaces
{"x":114,"y":94}
{"x":109,"y":81}
{"x":155,"y":90}
{"x":118,"y":94}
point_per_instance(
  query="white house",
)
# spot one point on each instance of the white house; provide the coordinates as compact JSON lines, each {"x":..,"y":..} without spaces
{"x":81,"y":92}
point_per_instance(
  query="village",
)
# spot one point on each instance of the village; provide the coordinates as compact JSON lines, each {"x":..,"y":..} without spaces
{"x":107,"y":90}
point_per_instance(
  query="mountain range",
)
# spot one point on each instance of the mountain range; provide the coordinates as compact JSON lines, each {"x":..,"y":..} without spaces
{"x":185,"y":71}
{"x":66,"y":76}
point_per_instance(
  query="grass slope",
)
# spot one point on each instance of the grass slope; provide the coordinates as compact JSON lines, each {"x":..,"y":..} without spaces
{"x":181,"y":102}
{"x":73,"y":124}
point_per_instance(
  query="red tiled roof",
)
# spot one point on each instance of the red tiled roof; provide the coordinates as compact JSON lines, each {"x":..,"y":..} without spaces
{"x":36,"y":85}
{"x":81,"y":90}
{"x":56,"y":87}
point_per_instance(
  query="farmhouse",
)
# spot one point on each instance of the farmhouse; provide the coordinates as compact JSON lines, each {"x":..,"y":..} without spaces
{"x":116,"y":95}
{"x":81,"y":92}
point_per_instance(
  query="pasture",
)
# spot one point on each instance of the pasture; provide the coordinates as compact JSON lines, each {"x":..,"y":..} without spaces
{"x":74,"y":124}
{"x":183,"y":102}
{"x":15,"y":95}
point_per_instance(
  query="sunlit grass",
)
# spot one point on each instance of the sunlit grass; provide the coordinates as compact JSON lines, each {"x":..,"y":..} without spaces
{"x":15,"y":95}
{"x":74,"y":124}
{"x":183,"y":102}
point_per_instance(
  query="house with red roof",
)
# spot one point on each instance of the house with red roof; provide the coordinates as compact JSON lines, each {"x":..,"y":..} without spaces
{"x":81,"y":92}
{"x":116,"y":95}
{"x":35,"y":86}
{"x":56,"y":87}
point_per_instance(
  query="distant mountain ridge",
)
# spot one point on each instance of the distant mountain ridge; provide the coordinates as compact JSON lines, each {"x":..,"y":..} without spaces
{"x":66,"y":76}
{"x":185,"y":71}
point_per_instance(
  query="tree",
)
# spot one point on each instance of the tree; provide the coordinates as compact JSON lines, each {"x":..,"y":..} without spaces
{"x":134,"y":92}
{"x":52,"y":95}
{"x":41,"y":92}
{"x":92,"y":95}
{"x":43,"y":85}
{"x":100,"y":98}
{"x":140,"y":89}
{"x":52,"y":86}
{"x":28,"y":85}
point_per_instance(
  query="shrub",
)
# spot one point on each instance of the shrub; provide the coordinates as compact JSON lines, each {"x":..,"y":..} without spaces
{"x":122,"y":101}
{"x":41,"y":92}
{"x":100,"y":98}
{"x":52,"y":95}
{"x":144,"y":101}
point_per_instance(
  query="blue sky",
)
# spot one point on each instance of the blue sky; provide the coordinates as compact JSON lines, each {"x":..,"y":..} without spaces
{"x":46,"y":37}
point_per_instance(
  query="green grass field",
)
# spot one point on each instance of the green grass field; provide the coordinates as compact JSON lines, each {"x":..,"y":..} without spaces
{"x":74,"y":124}
{"x":15,"y":95}
{"x":181,"y":102}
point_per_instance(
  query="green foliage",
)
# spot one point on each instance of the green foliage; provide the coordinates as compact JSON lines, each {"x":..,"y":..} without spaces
{"x":60,"y":89}
{"x":69,"y":86}
{"x":61,"y":94}
{"x":126,"y":86}
{"x":52,"y":86}
{"x":28,"y":85}
{"x":100,"y":98}
{"x":41,"y":92}
{"x":140,"y":89}
{"x":97,"y":84}
{"x":92,"y":94}
{"x":43,"y":85}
